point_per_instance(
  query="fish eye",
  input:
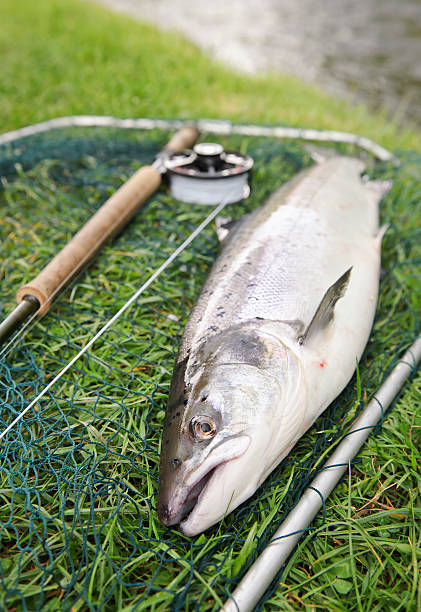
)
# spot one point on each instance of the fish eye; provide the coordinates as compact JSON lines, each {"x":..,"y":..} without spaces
{"x":202,"y":427}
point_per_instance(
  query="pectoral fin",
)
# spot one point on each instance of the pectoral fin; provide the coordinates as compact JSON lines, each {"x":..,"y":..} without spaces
{"x":325,"y":311}
{"x":224,"y":226}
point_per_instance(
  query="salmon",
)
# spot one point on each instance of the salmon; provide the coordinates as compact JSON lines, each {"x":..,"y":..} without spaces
{"x":273,"y":338}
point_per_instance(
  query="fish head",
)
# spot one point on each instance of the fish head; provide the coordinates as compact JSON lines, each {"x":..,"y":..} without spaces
{"x":219,"y":433}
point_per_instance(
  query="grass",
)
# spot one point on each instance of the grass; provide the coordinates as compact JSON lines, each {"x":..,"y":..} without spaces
{"x":78,"y":480}
{"x":73,"y":57}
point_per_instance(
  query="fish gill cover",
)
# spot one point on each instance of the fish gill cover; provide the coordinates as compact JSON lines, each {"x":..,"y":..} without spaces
{"x":78,"y":475}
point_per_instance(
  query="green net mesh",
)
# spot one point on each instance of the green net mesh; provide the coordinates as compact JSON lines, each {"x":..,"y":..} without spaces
{"x":78,"y":475}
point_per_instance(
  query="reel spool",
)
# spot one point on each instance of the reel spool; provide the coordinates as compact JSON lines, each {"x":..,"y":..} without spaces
{"x":209,"y":175}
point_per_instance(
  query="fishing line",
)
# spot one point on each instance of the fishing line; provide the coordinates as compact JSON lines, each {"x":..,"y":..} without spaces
{"x":125,"y":306}
{"x":8,"y":347}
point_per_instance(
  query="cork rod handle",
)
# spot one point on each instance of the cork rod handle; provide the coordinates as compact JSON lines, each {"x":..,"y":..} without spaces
{"x":107,"y":221}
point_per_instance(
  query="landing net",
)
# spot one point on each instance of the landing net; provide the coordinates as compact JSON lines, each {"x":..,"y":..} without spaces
{"x":78,"y":475}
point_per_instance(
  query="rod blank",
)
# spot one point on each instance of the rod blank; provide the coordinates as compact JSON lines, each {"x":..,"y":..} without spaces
{"x":25,"y":309}
{"x":260,"y":575}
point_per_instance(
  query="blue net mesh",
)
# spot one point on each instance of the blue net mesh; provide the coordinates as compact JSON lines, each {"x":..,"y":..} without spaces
{"x":78,"y":475}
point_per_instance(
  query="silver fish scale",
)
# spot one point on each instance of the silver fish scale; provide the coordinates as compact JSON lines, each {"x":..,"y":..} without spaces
{"x":278,"y":263}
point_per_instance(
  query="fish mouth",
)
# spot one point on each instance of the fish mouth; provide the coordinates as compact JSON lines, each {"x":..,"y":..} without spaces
{"x":189,"y":518}
{"x":185,"y":499}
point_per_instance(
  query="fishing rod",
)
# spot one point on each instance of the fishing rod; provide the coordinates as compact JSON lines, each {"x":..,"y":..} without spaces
{"x":34,"y":298}
{"x":267,"y":565}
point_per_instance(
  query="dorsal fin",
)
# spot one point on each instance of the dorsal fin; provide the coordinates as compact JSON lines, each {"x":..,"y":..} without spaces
{"x":377,"y":189}
{"x":325,"y":310}
{"x":319,"y":153}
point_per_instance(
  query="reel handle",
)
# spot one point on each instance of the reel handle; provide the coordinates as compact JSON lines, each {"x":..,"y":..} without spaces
{"x":113,"y":215}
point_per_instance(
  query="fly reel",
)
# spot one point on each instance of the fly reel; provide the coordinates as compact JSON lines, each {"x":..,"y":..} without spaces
{"x":209,"y":175}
